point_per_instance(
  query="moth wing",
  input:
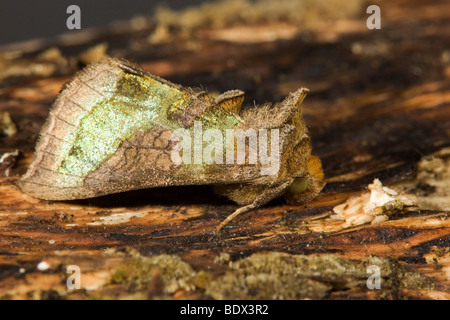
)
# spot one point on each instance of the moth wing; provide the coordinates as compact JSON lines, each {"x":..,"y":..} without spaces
{"x":146,"y":161}
{"x":90,"y":86}
{"x":140,"y":162}
{"x":78,"y":96}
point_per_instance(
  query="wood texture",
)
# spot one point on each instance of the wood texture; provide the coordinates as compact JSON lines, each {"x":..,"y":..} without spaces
{"x":379,"y":103}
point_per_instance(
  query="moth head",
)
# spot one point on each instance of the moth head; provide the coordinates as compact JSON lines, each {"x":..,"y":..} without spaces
{"x":306,"y":187}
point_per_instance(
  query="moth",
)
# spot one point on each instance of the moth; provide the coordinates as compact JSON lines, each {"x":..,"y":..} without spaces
{"x":111,"y":129}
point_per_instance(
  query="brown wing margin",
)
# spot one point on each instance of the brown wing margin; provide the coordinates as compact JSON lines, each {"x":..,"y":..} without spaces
{"x":134,"y":68}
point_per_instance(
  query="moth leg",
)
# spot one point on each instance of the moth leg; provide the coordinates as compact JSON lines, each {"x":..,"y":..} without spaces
{"x":266,"y":196}
{"x":235,"y":214}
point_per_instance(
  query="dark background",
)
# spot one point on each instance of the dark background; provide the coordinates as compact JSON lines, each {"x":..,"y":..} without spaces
{"x":24,"y":20}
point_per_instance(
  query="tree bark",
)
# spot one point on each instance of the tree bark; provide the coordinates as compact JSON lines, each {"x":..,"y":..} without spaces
{"x":379,"y":105}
